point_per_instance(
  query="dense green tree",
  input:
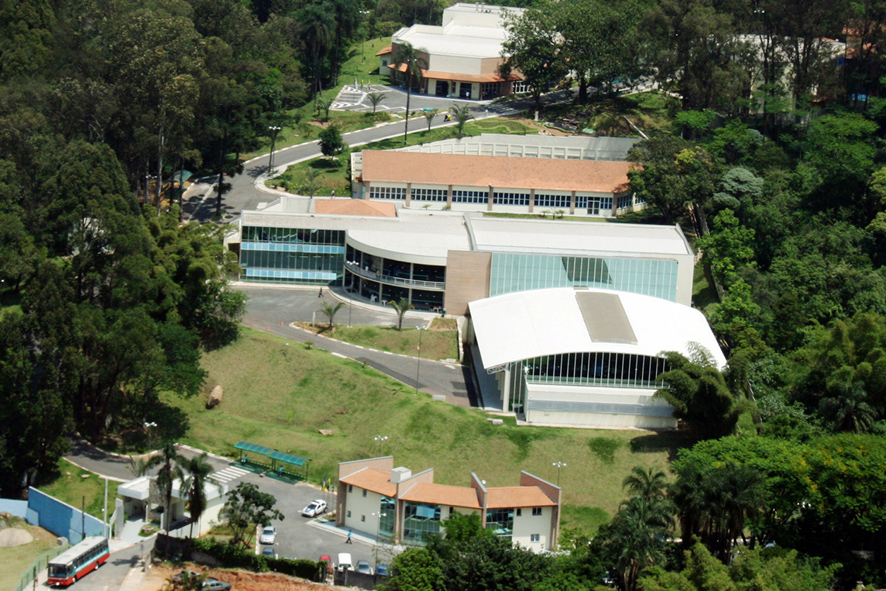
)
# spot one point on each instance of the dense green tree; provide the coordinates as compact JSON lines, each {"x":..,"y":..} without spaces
{"x":728,"y":247}
{"x":416,"y":569}
{"x":699,"y":395}
{"x":331,"y":142}
{"x":695,"y":50}
{"x":600,"y":41}
{"x":533,"y":49}
{"x":674,"y":175}
{"x":770,"y":568}
{"x":247,"y":507}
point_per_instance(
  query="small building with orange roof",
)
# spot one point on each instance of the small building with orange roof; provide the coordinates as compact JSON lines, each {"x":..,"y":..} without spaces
{"x":386,"y":502}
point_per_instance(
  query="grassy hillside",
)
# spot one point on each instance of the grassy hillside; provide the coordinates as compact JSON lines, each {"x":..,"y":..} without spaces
{"x":280,"y":394}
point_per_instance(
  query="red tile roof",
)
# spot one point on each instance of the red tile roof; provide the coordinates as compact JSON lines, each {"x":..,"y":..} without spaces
{"x":511,"y":497}
{"x":594,"y":176}
{"x":377,"y":481}
{"x":361,"y":207}
{"x":443,"y":494}
{"x":385,"y":50}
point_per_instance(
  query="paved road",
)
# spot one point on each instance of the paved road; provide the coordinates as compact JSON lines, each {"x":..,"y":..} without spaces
{"x":200,"y":200}
{"x":269,"y":306}
{"x":111,"y":575}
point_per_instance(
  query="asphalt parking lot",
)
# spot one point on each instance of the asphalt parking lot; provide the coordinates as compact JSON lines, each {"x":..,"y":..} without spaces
{"x":296,"y":538}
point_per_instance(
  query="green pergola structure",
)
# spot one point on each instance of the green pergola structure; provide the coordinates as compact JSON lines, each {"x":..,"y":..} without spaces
{"x":261,"y":454}
{"x":288,"y":460}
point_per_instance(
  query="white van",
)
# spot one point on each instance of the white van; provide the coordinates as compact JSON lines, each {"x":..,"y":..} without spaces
{"x":344,"y":562}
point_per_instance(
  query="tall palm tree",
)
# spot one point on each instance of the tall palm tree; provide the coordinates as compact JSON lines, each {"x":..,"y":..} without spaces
{"x":170,"y":470}
{"x":635,"y":539}
{"x":649,"y":484}
{"x":461,"y":114}
{"x":330,"y":311}
{"x":847,"y":409}
{"x":198,"y":473}
{"x":413,"y":61}
{"x":318,"y":33}
{"x":401,"y":306}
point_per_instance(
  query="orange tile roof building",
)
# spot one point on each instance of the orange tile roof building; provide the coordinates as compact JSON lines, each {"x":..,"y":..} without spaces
{"x":384,"y":502}
{"x":462,"y":182}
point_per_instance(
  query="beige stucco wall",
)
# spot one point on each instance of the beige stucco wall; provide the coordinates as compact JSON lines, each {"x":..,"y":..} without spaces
{"x":527,"y":524}
{"x":467,"y":279}
{"x":361,"y":509}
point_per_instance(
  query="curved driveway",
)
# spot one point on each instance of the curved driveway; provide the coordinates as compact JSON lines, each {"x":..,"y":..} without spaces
{"x":274,"y":308}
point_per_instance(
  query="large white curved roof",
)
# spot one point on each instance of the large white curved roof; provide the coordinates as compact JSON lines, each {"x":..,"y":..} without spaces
{"x":528,"y":324}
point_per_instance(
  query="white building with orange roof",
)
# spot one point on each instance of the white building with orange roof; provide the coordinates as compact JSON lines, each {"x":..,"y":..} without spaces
{"x":463,"y":55}
{"x":387,"y":502}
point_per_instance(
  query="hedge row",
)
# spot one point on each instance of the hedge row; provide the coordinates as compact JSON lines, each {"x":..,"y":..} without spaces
{"x":235,"y":557}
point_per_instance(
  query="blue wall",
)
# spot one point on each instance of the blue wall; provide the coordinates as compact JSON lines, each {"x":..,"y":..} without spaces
{"x":62,"y":519}
{"x":17,"y":508}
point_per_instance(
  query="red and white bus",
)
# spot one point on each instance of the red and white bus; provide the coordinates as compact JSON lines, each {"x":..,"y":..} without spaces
{"x":75,"y":562}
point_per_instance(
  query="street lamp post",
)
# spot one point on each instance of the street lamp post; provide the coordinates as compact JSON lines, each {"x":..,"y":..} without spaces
{"x":380,"y":440}
{"x":274,"y":129}
{"x":559,"y":465}
{"x":418,"y":367}
{"x":148,"y":426}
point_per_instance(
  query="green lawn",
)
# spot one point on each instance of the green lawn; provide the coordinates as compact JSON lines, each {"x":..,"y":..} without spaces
{"x":73,"y":484}
{"x":18,"y":560}
{"x":435,"y":344}
{"x":281,"y":394}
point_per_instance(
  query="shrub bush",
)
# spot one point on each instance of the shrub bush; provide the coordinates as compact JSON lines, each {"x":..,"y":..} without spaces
{"x":234,"y":557}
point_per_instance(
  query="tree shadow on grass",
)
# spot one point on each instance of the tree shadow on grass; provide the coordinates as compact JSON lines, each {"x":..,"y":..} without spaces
{"x":662,"y":441}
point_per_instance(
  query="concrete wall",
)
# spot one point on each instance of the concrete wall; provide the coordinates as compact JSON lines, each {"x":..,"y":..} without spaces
{"x":61,"y":518}
{"x":467,"y":279}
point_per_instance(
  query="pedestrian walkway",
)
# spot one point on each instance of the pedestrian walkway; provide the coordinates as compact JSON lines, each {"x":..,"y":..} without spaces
{"x":356,"y":536}
{"x":229,"y":474}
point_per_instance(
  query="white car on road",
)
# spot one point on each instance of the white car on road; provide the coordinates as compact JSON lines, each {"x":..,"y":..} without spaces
{"x":314,"y":508}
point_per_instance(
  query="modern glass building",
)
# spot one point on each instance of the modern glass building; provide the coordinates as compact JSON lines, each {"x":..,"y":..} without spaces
{"x":513,"y":272}
{"x":585,"y":357}
{"x":443,"y":260}
{"x":292,"y":255}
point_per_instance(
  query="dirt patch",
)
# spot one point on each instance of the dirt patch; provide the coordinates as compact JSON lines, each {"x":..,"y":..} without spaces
{"x":14,"y":536}
{"x":239,"y":580}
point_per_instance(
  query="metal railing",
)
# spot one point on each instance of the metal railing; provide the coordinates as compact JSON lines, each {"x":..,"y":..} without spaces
{"x":38,"y":565}
{"x":367,"y":274}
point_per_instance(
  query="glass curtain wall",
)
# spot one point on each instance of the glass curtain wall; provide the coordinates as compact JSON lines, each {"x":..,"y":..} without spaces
{"x":613,"y":370}
{"x":522,"y":272}
{"x":501,"y":522}
{"x":420,"y":521}
{"x":387,"y":516}
{"x":291,"y":255}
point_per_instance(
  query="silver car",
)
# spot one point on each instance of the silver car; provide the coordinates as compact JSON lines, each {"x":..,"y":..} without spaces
{"x":268,"y":536}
